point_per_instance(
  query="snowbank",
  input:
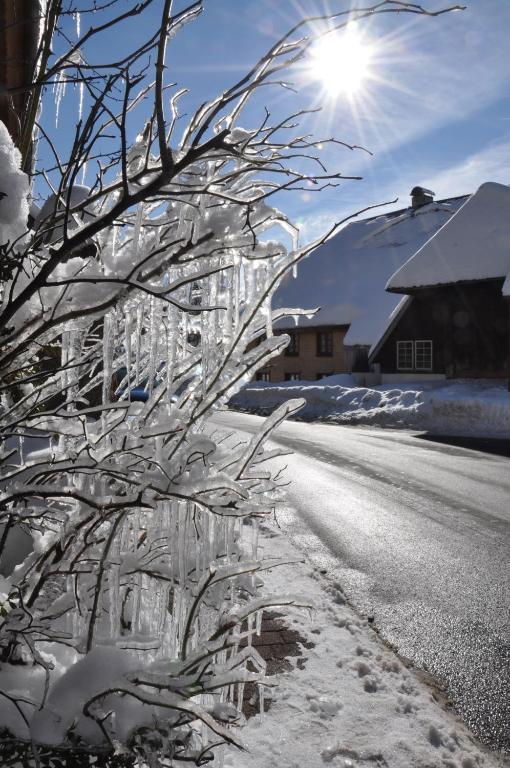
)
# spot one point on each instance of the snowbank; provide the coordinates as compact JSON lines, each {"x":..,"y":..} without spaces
{"x":461,"y":407}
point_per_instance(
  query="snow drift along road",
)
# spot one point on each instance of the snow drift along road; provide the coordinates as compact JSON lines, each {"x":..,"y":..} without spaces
{"x":460,"y":407}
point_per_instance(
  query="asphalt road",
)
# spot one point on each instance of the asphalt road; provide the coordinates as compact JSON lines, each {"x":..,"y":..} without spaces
{"x":417,"y":533}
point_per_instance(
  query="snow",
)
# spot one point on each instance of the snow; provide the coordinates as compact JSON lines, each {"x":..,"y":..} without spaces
{"x":473,"y":245}
{"x":96,"y":672}
{"x":352,"y":701}
{"x":14,"y":190}
{"x":457,"y":406}
{"x":346,"y":276}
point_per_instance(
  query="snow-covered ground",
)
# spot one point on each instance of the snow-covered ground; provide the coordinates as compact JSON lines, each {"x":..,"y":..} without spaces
{"x":460,"y":407}
{"x":352,"y":703}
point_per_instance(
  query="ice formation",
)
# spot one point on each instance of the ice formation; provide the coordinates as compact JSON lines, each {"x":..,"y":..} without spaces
{"x":139,"y":585}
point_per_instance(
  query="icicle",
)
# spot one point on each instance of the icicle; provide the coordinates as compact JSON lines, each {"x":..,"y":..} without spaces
{"x":213,"y":299}
{"x":294,"y":270}
{"x":127,"y":347}
{"x":181,"y":226}
{"x":261,"y":699}
{"x":138,"y":341}
{"x":80,"y":101}
{"x":107,"y":359}
{"x":114,"y":244}
{"x":77,"y":21}
{"x":258,"y":622}
{"x":237,"y":286}
{"x":59,"y":91}
{"x":228,"y":301}
{"x":269,"y":318}
{"x":240,"y":696}
{"x":171,"y":349}
{"x":254,"y":537}
{"x":153,"y":344}
{"x":250,"y":622}
{"x":206,"y":542}
{"x":136,"y":234}
{"x":205,"y":334}
{"x":114,"y":594}
{"x":83,"y":172}
{"x":136,"y":584}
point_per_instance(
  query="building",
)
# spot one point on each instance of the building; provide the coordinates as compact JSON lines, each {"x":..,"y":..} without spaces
{"x":346,"y":278}
{"x":20,"y":33}
{"x":454,"y":320}
{"x":311,"y":354}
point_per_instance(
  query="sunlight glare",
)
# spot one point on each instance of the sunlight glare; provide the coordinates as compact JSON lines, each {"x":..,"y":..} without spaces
{"x":341,"y":62}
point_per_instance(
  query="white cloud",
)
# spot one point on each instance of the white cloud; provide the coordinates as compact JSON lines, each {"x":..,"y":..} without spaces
{"x":491,"y":163}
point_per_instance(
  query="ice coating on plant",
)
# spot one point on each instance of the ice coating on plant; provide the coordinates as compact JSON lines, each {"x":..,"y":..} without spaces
{"x":145,"y":531}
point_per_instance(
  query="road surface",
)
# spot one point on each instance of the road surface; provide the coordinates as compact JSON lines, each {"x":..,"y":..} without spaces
{"x":417,"y":533}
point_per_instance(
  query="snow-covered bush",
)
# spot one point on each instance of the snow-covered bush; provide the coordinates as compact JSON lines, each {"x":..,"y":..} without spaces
{"x":130,"y":312}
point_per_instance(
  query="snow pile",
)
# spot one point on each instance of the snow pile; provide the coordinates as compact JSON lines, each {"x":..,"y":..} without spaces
{"x":473,"y":245}
{"x":350,"y":702}
{"x":462,"y":407}
{"x":13,"y":190}
{"x":346,"y":276}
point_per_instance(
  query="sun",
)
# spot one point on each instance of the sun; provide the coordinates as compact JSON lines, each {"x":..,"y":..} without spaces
{"x":341,"y":62}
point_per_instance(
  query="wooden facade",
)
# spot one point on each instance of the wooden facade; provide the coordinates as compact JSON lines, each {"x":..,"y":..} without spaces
{"x":19,"y":33}
{"x":314,"y":352}
{"x":466,"y":327}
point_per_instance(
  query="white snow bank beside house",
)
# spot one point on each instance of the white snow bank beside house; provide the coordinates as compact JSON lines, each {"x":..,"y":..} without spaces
{"x":351,"y":702}
{"x":13,"y":190}
{"x":346,"y":276}
{"x":460,"y":407}
{"x":473,"y":245}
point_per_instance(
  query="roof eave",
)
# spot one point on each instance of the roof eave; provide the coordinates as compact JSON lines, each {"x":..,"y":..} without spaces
{"x":411,"y":290}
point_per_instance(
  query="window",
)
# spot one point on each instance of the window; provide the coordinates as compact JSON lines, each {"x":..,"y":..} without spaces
{"x":414,"y":355}
{"x":324,"y":343}
{"x":323,"y":375}
{"x":292,"y":376}
{"x":423,"y":355}
{"x":405,"y":355}
{"x":263,"y":376}
{"x":293,"y":349}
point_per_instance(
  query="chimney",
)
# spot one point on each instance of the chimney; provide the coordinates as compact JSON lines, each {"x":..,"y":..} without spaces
{"x":421,"y":196}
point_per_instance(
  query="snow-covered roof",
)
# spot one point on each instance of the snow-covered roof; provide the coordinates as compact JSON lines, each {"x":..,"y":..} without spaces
{"x":473,"y":245}
{"x":347,"y":275}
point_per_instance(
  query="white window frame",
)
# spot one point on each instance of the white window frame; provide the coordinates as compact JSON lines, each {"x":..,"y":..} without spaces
{"x":427,"y":360}
{"x":430,"y":366}
{"x":400,"y":345}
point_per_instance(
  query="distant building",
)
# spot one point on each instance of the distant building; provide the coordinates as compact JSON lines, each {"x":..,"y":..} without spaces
{"x":346,"y":278}
{"x":312,"y":354}
{"x":454,"y":320}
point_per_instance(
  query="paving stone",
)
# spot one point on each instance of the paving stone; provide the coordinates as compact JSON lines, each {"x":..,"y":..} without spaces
{"x":268,"y":638}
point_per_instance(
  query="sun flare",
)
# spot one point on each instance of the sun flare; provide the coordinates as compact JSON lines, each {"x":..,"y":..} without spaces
{"x":342,"y":62}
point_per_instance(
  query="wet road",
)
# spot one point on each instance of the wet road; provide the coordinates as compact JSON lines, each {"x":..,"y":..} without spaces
{"x":417,"y":533}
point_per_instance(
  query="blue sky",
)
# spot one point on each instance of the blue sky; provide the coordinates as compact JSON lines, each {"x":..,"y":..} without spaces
{"x":435,"y":109}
